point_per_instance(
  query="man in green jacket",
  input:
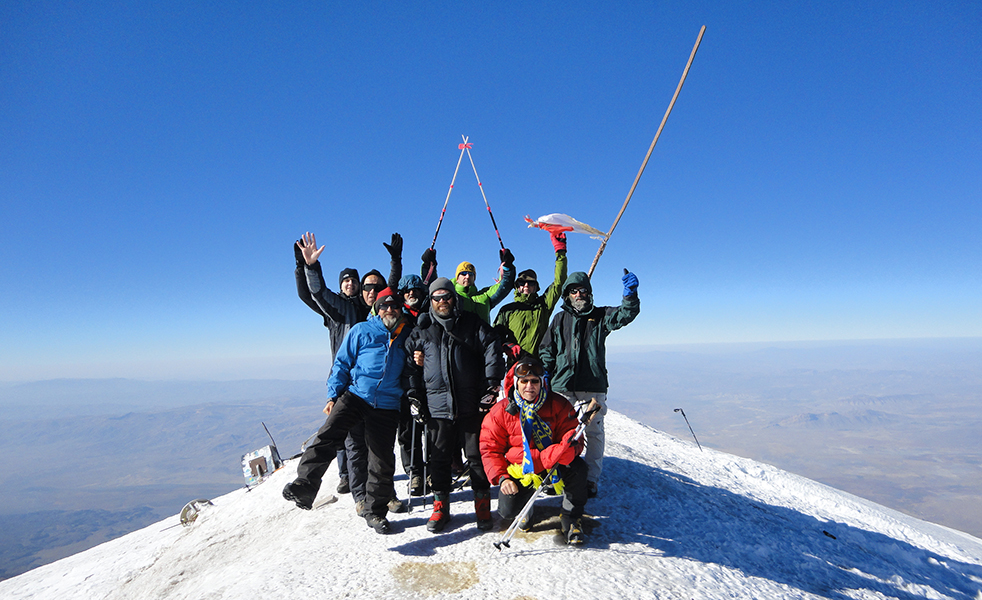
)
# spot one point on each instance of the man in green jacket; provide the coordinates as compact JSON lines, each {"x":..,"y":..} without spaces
{"x":485,"y":299}
{"x":575,"y":355}
{"x":528,"y":317}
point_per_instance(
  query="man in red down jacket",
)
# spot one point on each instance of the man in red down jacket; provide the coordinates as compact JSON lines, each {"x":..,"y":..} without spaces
{"x":523,"y":437}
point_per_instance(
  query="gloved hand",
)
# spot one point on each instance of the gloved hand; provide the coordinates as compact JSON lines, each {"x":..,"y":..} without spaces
{"x":506,"y":257}
{"x":512,"y":350}
{"x":429,"y":256}
{"x":489,"y":399}
{"x":298,"y":254}
{"x":394,"y":246}
{"x":558,"y":241}
{"x":570,"y":449}
{"x":630,"y":281}
{"x":418,"y":408}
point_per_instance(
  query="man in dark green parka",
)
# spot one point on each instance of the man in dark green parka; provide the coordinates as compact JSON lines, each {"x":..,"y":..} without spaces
{"x":575,"y":356}
{"x":528,"y":317}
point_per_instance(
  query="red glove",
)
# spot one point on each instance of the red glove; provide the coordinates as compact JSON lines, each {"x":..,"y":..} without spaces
{"x":558,"y":241}
{"x":570,"y":449}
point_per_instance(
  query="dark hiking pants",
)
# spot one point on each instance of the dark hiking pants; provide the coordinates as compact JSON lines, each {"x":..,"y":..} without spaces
{"x":443,"y":436}
{"x":380,"y":435}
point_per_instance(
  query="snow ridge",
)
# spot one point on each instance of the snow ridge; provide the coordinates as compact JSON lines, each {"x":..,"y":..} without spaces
{"x":671,"y":521}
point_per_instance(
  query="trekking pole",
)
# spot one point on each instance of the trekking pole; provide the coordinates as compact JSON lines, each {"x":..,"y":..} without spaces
{"x":685,"y":73}
{"x":412,"y":465}
{"x":679,"y":410}
{"x":463,"y":147}
{"x":468,"y":147}
{"x":466,"y":471}
{"x":592,"y":409}
{"x":426,"y":464}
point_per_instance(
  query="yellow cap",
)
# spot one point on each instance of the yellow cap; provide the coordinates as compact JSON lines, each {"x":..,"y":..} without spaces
{"x":465,"y":266}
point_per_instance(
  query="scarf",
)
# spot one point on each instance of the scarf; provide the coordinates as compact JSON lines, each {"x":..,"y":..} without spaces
{"x":534,"y":431}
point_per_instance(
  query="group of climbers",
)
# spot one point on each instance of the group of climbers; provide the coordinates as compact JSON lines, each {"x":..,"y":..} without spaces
{"x":420,"y":356}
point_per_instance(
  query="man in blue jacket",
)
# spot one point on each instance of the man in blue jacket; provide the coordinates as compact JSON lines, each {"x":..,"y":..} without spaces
{"x":366,"y":379}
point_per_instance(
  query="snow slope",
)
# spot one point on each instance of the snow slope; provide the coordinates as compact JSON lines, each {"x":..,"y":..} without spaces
{"x":670,"y":522}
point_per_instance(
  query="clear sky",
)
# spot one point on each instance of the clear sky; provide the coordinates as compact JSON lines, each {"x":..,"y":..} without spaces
{"x":819,"y":177}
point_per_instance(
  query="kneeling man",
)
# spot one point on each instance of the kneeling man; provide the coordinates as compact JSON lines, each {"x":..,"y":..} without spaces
{"x":523,"y":438}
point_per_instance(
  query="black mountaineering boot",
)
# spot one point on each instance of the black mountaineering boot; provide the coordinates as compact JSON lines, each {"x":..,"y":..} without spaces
{"x":379,"y":524}
{"x":301,"y":492}
{"x":572,"y":530}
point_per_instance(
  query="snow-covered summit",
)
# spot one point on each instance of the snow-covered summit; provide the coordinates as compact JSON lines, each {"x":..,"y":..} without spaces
{"x":671,"y":521}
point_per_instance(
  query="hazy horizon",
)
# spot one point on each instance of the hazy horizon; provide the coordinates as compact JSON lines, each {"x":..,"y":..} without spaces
{"x":892,"y":421}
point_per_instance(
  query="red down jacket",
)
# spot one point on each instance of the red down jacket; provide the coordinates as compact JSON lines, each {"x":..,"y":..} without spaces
{"x":501,"y":436}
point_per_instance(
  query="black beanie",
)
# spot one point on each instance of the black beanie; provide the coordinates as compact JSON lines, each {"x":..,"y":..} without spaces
{"x":526,"y":275}
{"x":346,"y":273}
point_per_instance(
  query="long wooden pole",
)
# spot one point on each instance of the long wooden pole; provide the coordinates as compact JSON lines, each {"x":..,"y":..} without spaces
{"x":671,"y":104}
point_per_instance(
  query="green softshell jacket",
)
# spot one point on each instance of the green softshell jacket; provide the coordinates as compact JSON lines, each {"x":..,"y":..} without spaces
{"x":574,"y":348}
{"x":486,"y":299}
{"x":528,"y":320}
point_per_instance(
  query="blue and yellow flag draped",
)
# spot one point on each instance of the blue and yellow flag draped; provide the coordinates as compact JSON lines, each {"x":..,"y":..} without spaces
{"x":534,"y":431}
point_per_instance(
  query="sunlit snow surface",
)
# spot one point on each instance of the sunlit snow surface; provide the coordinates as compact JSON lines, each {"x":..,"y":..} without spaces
{"x":671,"y":521}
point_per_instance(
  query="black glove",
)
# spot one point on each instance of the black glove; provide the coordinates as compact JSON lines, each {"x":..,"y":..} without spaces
{"x":298,"y":254}
{"x":429,"y":256}
{"x":394,"y":246}
{"x":418,"y":408}
{"x":507,"y":258}
{"x":489,"y":399}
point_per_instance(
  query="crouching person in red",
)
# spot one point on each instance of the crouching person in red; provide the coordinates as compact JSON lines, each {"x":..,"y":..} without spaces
{"x":523,"y":438}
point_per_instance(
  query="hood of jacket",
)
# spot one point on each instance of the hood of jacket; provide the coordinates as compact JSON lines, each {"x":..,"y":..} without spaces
{"x":576,"y":279}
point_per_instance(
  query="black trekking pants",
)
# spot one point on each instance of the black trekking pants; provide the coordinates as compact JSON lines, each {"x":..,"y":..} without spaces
{"x":442,"y":439}
{"x":380,"y":436}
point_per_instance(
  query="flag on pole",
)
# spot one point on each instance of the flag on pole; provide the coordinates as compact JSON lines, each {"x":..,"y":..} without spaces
{"x":558,"y":222}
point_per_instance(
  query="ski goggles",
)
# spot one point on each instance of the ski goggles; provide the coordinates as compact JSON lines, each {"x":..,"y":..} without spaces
{"x":529,"y":369}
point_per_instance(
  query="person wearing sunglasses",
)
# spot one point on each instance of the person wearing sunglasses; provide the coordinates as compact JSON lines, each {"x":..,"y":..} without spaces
{"x":479,"y":301}
{"x":455,"y":366}
{"x":527,"y":318}
{"x":341,"y":311}
{"x":523,"y":438}
{"x":366,"y":380}
{"x":574,"y":353}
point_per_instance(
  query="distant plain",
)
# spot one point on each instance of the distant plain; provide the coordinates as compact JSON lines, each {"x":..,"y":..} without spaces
{"x":896,"y":422}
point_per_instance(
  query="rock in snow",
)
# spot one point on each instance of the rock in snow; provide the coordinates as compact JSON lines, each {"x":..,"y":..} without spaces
{"x":670,"y":522}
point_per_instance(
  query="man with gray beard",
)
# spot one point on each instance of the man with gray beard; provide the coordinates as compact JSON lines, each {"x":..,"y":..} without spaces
{"x":367,"y":381}
{"x":575,"y":356}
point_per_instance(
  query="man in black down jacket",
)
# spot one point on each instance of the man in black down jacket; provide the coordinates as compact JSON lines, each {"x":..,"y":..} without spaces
{"x":455,"y":366}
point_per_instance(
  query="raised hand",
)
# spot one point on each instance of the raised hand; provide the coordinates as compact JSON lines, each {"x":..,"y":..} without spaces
{"x":308,"y":245}
{"x":394,"y":246}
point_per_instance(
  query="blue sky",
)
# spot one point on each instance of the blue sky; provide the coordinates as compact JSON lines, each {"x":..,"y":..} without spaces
{"x":818,"y":178}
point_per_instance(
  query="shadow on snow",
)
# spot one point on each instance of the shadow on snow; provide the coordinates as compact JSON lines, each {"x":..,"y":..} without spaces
{"x":681,"y":518}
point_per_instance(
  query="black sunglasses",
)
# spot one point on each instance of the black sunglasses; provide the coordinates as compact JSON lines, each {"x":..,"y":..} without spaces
{"x":373,"y":287}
